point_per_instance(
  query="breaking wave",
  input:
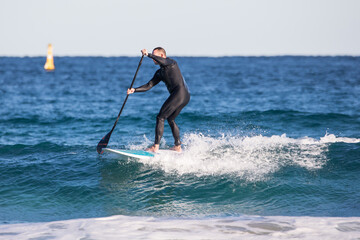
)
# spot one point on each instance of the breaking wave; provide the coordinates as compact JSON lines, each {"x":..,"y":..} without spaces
{"x":252,"y":158}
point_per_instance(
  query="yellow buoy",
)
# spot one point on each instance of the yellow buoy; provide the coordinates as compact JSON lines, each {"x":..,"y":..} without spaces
{"x":49,"y":65}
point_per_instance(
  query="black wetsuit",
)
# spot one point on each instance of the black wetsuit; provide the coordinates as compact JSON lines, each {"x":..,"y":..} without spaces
{"x":170,"y":74}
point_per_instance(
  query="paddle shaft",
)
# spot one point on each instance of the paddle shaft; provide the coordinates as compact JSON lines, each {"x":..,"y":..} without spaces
{"x":132,"y":83}
{"x":105,"y":140}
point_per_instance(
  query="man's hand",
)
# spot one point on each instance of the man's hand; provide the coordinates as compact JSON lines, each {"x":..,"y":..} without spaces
{"x":144,"y":52}
{"x":130,"y":91}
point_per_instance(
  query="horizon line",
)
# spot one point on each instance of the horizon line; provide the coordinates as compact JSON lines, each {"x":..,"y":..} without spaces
{"x":201,"y":56}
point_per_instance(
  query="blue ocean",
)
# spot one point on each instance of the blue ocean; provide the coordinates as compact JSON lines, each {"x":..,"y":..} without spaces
{"x":271,"y":150}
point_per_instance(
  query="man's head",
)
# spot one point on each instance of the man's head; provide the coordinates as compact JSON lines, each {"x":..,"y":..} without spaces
{"x":160,"y":52}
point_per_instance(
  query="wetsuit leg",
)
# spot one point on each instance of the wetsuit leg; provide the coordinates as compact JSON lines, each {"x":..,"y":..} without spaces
{"x":171,"y":108}
{"x":174,"y":127}
{"x":159,"y":129}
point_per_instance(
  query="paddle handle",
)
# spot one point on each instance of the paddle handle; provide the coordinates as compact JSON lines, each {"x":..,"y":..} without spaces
{"x":132,"y":83}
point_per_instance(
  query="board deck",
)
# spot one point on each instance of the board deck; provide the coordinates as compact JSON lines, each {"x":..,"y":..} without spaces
{"x":138,"y":154}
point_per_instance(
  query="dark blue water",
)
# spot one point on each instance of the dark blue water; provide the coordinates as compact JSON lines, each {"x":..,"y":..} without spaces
{"x":262,"y":135}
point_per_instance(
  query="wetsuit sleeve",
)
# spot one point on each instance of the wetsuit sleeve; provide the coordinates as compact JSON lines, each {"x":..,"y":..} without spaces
{"x":155,"y":80}
{"x":162,"y":61}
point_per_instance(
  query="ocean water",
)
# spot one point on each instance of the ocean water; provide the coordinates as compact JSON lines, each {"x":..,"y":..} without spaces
{"x":271,"y":150}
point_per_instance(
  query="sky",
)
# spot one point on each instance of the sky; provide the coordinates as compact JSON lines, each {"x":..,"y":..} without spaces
{"x":182,"y":27}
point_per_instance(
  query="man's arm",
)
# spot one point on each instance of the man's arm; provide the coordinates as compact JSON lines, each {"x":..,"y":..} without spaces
{"x":154,"y":81}
{"x":162,"y":61}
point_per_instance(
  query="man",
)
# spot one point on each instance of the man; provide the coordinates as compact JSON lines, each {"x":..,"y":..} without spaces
{"x":170,"y":74}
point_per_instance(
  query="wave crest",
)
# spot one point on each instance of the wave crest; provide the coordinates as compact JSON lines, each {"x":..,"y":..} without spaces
{"x":251,"y":158}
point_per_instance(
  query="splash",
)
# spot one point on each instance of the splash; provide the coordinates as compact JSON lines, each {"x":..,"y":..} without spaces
{"x":252,"y":158}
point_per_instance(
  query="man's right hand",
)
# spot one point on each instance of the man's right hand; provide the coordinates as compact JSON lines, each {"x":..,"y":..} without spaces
{"x":130,"y":91}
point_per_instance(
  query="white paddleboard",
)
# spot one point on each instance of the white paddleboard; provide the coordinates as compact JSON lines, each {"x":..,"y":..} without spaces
{"x":139,"y":154}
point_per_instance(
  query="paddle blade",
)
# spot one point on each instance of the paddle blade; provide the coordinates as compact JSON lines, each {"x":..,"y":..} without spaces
{"x":103,"y":143}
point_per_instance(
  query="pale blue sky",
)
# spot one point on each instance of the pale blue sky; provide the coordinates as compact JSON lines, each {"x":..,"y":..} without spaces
{"x":183,"y":27}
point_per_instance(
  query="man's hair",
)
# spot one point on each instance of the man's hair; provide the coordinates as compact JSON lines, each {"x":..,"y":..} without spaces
{"x":161,"y":50}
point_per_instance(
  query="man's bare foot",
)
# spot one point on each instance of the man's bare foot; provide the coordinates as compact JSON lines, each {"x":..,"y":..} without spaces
{"x":176,"y":148}
{"x":153,"y":148}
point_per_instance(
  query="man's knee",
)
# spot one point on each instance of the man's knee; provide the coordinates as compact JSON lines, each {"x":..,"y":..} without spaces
{"x":171,"y":121}
{"x":160,"y":118}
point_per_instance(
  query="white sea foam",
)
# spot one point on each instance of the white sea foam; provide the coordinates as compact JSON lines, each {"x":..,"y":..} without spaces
{"x":331,"y":138}
{"x":244,"y":227}
{"x":252,"y":158}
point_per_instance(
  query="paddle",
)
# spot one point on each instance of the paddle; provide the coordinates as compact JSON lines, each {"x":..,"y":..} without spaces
{"x":105,"y":140}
